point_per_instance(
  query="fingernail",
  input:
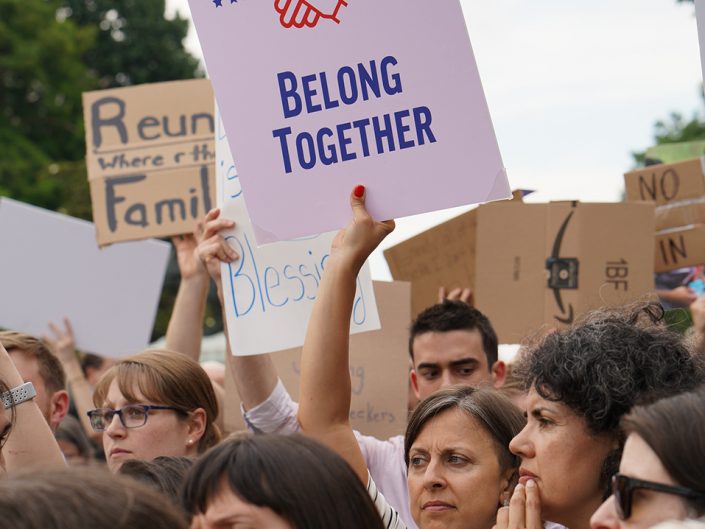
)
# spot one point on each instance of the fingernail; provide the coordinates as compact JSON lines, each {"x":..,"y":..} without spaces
{"x":359,"y":191}
{"x":519,"y":487}
{"x":530,"y":484}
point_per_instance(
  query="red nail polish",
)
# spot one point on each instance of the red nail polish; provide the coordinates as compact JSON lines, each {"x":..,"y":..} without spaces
{"x":359,"y":191}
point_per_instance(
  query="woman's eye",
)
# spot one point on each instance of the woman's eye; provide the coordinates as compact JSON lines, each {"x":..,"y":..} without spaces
{"x":416,"y":461}
{"x":455,"y":459}
{"x":544,"y":423}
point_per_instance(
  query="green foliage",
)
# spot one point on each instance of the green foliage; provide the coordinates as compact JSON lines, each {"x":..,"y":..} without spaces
{"x":42,"y":76}
{"x":675,"y":129}
{"x":135,"y":44}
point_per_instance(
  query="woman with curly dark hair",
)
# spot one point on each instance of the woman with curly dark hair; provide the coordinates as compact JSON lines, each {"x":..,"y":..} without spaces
{"x":581,"y":382}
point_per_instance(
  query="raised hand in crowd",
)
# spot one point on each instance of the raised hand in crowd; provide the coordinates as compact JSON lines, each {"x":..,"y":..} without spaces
{"x":28,"y":440}
{"x":185,"y":330}
{"x":681,"y":296}
{"x":457,"y":294}
{"x":255,"y":376}
{"x":213,"y":249}
{"x":63,"y":344}
{"x":324,"y":406}
{"x":697,"y":313}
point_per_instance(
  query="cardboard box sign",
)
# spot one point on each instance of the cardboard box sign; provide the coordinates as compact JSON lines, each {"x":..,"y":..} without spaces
{"x":668,"y":182}
{"x":680,"y":247}
{"x":151,"y":158}
{"x":379,"y":369}
{"x":441,"y":256}
{"x":679,"y":214}
{"x":542,"y":265}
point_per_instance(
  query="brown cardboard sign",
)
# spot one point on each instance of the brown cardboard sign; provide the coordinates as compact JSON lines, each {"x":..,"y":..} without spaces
{"x":680,"y":247}
{"x":542,"y":265}
{"x":150,"y":156}
{"x":441,"y":256}
{"x":667,"y":182}
{"x":681,"y":213}
{"x":379,"y":369}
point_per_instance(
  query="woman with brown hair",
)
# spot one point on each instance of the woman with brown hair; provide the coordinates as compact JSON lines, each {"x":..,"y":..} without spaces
{"x":155,"y":403}
{"x":459,"y":469}
{"x":662,"y":473}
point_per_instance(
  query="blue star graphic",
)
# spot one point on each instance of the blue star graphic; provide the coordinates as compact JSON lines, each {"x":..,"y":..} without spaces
{"x":233,"y":2}
{"x":218,"y":3}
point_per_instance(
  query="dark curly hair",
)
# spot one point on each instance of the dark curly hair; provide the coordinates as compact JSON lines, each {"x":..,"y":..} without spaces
{"x":453,"y":315}
{"x":608,"y":362}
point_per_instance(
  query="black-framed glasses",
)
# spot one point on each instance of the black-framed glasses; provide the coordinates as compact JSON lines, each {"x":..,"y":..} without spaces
{"x":131,"y":416}
{"x":623,"y":488}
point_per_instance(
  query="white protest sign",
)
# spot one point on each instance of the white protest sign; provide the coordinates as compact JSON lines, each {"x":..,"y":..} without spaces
{"x":51,"y":269}
{"x":700,"y":15}
{"x":269,"y":291}
{"x":319,"y":96}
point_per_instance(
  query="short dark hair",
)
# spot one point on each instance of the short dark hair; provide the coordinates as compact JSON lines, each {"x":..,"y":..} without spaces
{"x":299,"y":479}
{"x":674,"y":428}
{"x":91,"y":361}
{"x":496,"y":414}
{"x":165,"y":474}
{"x":455,"y":316}
{"x":83,"y":497}
{"x":50,"y":368}
{"x":609,"y":361}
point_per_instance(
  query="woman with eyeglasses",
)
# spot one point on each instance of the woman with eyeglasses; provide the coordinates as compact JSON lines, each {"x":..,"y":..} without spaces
{"x":155,"y":403}
{"x":662,"y":473}
{"x":581,"y":382}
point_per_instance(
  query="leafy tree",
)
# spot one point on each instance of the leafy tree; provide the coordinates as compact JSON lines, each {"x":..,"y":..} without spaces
{"x":135,"y":44}
{"x":42,"y":75}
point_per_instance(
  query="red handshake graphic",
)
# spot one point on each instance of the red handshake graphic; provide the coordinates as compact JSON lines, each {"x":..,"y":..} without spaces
{"x":300,"y":13}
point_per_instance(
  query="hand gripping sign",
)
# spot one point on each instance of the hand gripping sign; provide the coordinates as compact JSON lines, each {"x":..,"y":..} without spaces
{"x":300,"y":13}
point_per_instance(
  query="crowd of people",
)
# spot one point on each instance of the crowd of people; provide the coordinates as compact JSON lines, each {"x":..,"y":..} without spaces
{"x":600,"y":425}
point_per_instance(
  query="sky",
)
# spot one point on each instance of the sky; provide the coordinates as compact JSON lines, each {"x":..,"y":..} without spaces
{"x":573,"y":89}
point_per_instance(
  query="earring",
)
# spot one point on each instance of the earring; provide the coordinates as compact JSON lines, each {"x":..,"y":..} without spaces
{"x":189,"y":442}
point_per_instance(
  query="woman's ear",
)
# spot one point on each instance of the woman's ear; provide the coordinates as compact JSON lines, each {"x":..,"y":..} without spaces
{"x":509,"y":480}
{"x":196,"y":425}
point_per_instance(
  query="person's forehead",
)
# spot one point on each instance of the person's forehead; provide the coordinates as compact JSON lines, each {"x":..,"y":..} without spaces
{"x":448,"y":346}
{"x":640,"y":461}
{"x":115,"y":397}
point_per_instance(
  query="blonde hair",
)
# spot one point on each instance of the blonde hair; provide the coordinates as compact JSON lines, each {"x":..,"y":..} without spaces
{"x":168,"y":378}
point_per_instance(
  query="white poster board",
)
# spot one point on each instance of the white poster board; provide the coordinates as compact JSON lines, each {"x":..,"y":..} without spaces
{"x":269,"y":291}
{"x":51,"y":268}
{"x":321,"y":95}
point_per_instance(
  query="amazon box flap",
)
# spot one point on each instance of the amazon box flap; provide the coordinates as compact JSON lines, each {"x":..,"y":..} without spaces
{"x":542,"y":265}
{"x":440,"y":256}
